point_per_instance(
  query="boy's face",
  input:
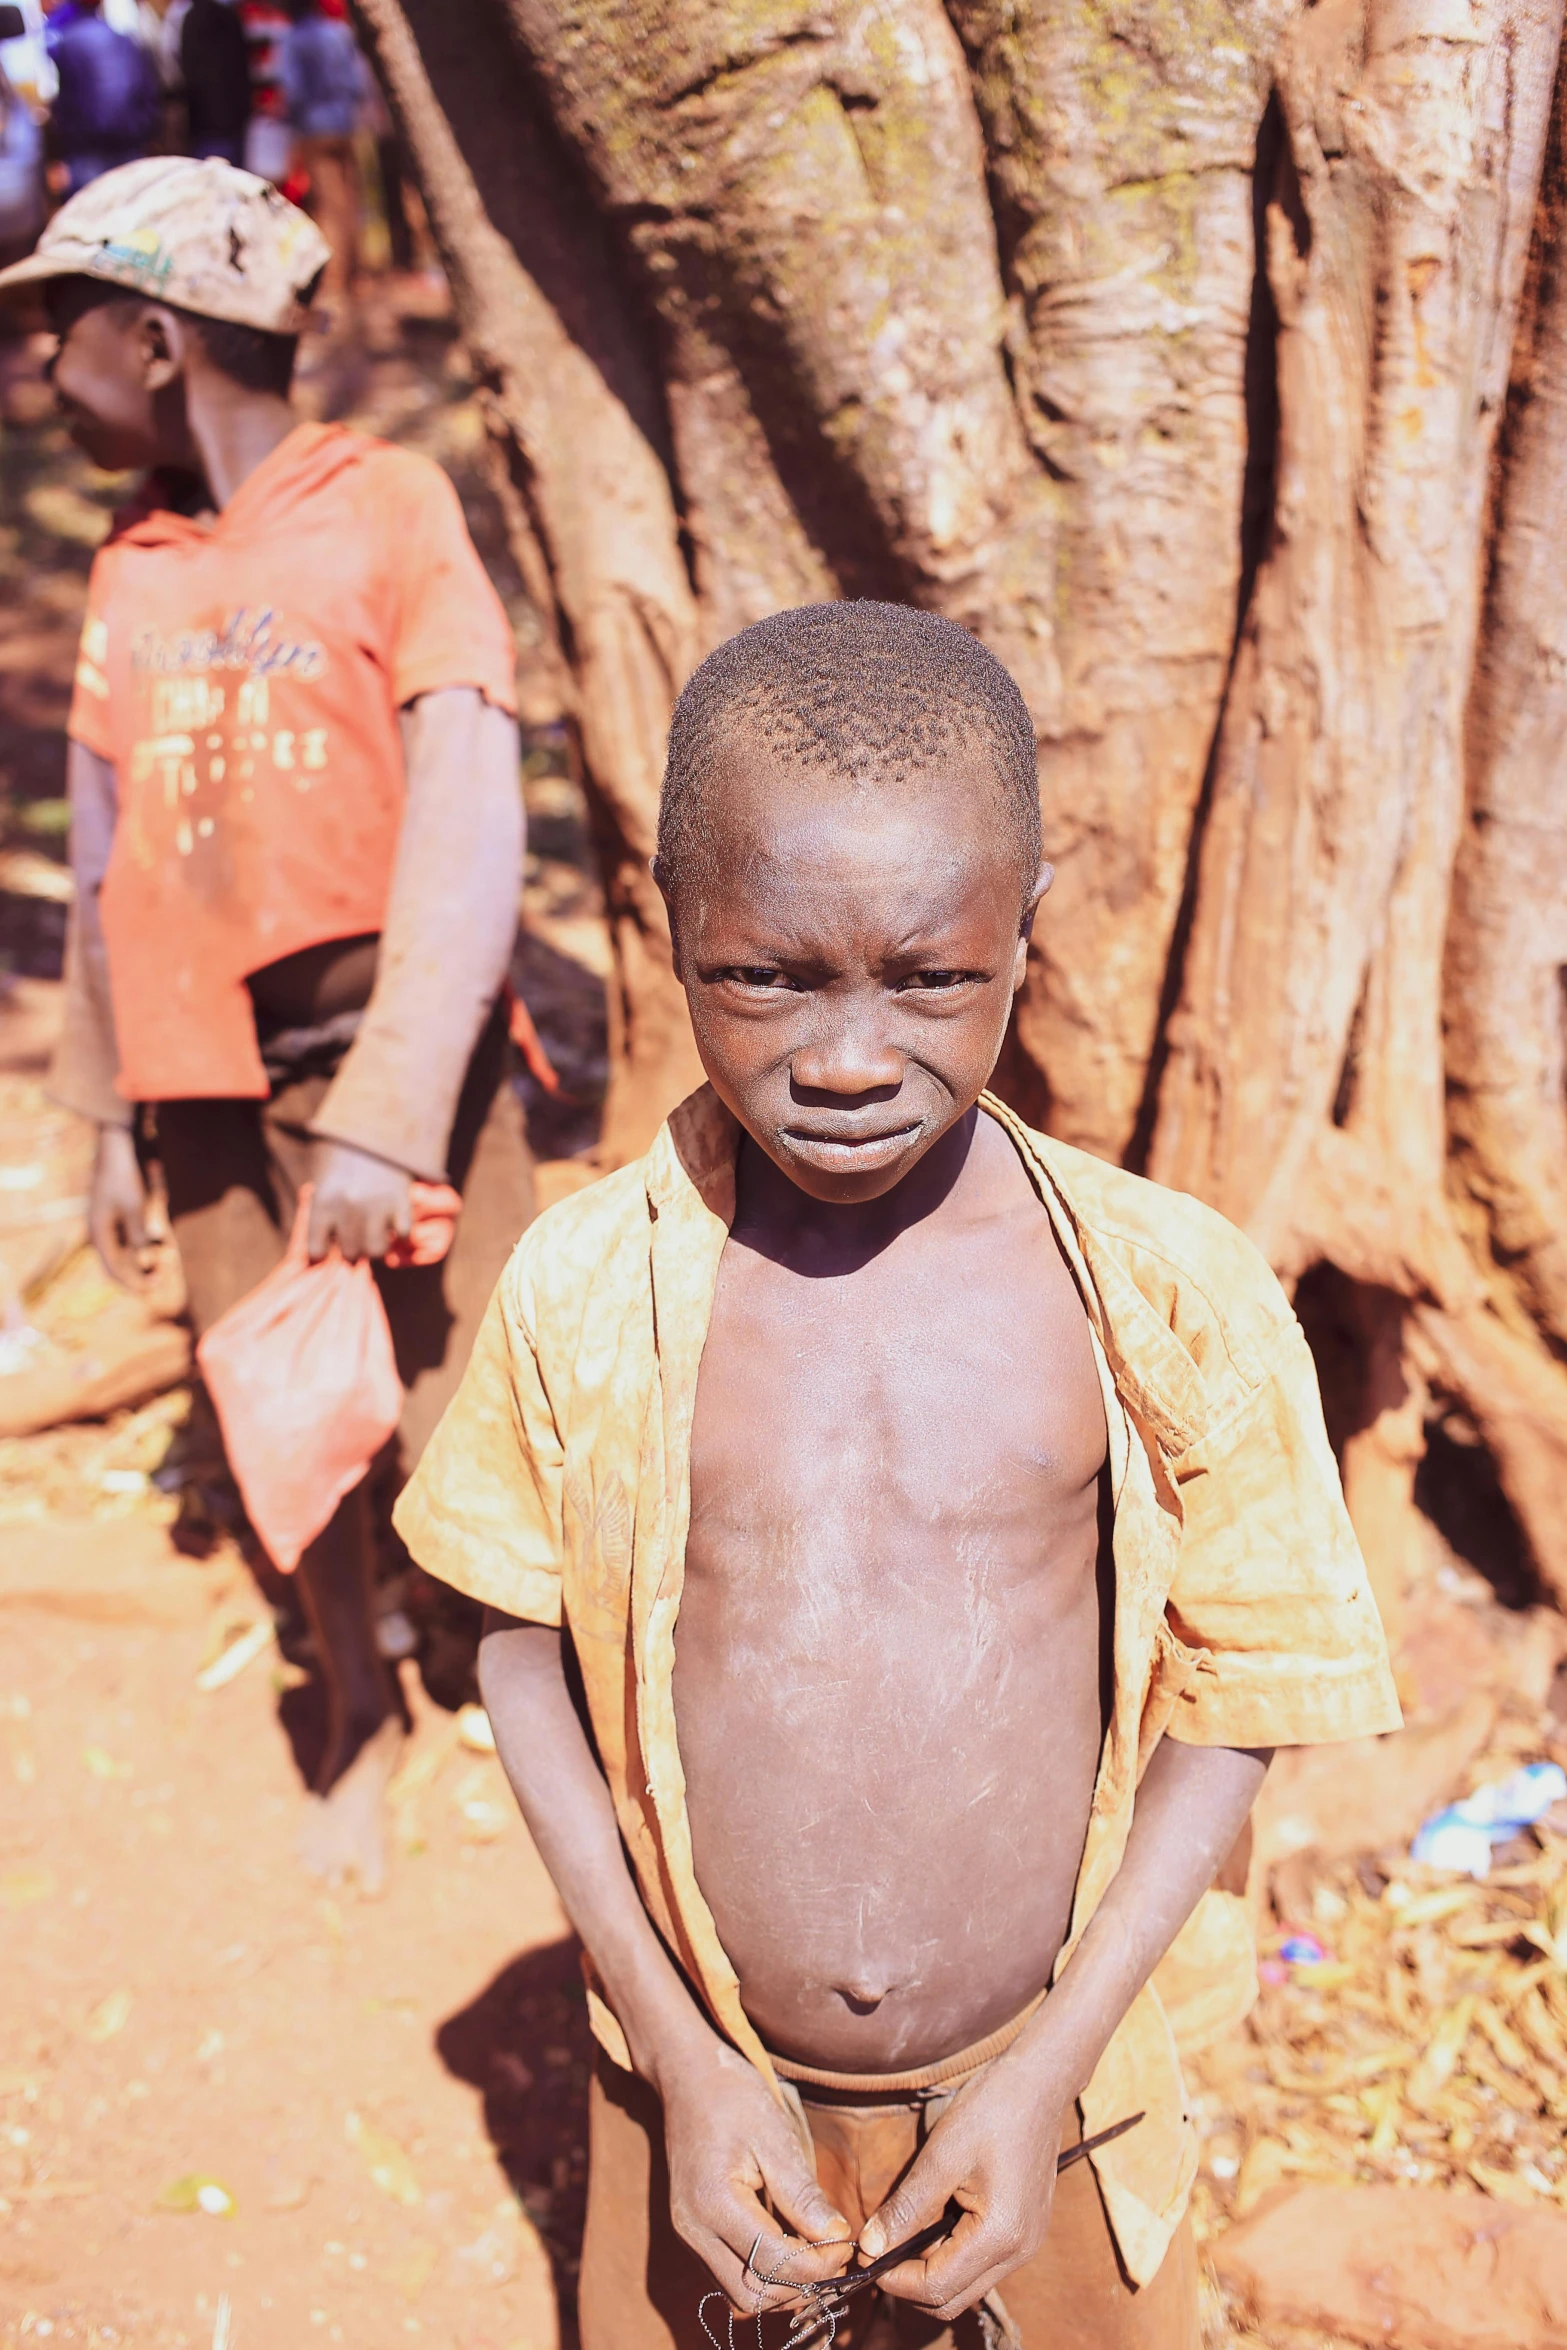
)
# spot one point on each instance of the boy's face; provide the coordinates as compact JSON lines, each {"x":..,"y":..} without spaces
{"x":850,"y":955}
{"x":115,"y":382}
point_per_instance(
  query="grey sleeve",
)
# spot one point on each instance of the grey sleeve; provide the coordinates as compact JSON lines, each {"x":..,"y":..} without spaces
{"x":450,"y":925}
{"x":86,"y":1059}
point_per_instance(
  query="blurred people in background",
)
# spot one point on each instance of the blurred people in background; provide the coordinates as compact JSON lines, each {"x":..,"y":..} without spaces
{"x":214,"y":64}
{"x":324,"y":89}
{"x":108,"y":108}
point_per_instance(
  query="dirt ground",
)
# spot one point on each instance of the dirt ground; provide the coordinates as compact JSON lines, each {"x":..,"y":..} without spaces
{"x":238,"y":2115}
{"x":384,"y":2102}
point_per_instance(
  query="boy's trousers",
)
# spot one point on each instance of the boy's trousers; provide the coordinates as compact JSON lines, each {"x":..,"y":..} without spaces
{"x":234,"y":1169}
{"x":641,"y":2286}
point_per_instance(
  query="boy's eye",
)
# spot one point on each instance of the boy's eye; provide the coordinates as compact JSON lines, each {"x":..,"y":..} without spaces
{"x":759,"y":975}
{"x":935,"y":979}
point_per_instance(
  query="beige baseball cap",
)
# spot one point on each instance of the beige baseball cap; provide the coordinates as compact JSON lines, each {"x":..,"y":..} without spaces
{"x":200,"y":235}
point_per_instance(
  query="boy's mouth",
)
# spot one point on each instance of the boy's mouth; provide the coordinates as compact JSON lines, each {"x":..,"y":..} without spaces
{"x":861,"y":1152}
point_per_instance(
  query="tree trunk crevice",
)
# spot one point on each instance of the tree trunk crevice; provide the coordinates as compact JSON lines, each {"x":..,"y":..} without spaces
{"x":1274,"y":186}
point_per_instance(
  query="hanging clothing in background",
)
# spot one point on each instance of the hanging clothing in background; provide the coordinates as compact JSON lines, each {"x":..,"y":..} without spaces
{"x":215,"y":69}
{"x":268,"y":140}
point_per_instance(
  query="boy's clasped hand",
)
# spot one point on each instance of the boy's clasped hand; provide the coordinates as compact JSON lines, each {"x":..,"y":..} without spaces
{"x":993,"y":2154}
{"x":820,"y":2306}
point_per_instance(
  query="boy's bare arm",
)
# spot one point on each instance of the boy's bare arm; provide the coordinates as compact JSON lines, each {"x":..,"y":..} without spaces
{"x":87,"y":1061}
{"x":445,"y":948}
{"x":994,"y":2150}
{"x":728,"y":2140}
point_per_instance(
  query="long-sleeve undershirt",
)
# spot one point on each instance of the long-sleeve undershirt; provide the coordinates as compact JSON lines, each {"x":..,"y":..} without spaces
{"x":86,"y":1059}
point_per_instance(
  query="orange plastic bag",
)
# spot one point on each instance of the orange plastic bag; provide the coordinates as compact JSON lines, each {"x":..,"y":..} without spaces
{"x":304,"y":1382}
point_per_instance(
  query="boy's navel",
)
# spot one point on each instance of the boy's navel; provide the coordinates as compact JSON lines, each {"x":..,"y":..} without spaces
{"x":862,"y":1998}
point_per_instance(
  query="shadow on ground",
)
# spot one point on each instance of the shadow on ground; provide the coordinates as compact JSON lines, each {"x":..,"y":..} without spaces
{"x":525,"y":2045}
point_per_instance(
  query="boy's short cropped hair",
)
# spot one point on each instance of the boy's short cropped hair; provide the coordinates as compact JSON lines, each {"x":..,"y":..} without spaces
{"x":250,"y":355}
{"x":871,"y":692}
{"x":261,"y":362}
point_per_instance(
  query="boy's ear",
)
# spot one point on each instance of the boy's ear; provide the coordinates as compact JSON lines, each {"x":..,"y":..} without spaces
{"x":162,"y":342}
{"x":1025,"y":928}
{"x":666,"y":890}
{"x":1031,"y":903}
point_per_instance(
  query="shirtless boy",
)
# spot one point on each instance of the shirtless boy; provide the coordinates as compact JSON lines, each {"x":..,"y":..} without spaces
{"x":296,"y":834}
{"x":907,"y":1537}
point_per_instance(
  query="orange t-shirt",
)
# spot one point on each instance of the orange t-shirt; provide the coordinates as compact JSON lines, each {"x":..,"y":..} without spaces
{"x":244,"y":677}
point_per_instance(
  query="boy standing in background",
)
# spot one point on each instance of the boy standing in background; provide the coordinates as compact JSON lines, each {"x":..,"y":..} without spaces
{"x":296,"y":836}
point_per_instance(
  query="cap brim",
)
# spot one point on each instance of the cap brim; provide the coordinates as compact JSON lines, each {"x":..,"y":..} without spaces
{"x":33,"y":271}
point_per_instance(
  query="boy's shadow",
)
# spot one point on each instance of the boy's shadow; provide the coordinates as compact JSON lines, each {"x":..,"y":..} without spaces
{"x":525,"y":2045}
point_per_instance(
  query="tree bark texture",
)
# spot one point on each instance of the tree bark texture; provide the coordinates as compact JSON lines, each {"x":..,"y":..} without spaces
{"x":1208,"y":359}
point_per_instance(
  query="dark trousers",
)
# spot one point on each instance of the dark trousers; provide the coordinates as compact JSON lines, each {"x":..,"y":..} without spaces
{"x":234,"y":1169}
{"x":642,"y":2286}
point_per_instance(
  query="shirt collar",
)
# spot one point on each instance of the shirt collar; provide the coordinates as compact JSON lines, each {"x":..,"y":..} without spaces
{"x":691,"y":1167}
{"x":694,"y":1153}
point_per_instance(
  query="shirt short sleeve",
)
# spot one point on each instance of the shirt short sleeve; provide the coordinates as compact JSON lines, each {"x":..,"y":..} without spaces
{"x":1271,"y":1597}
{"x":89,"y":719}
{"x":483,"y":1509}
{"x":449,"y":625}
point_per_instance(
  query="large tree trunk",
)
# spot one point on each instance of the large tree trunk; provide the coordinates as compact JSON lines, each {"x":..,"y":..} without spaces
{"x":1209,"y":364}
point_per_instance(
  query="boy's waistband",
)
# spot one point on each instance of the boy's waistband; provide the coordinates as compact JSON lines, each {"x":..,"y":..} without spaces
{"x":947,"y":2074}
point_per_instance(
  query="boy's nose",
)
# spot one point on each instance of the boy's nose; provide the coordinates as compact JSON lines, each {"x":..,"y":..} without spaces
{"x":847,"y":1063}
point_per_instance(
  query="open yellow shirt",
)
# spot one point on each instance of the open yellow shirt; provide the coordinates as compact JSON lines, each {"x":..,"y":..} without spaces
{"x":558,"y":1489}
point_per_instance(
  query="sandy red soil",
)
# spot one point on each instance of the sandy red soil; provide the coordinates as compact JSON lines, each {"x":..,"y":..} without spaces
{"x":386,"y":2091}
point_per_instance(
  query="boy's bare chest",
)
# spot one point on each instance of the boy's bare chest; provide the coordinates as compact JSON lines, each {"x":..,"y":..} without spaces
{"x":888,"y":1653}
{"x":947,"y":1391}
